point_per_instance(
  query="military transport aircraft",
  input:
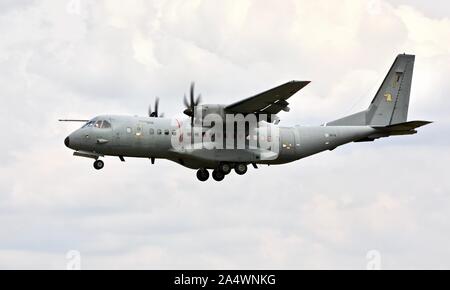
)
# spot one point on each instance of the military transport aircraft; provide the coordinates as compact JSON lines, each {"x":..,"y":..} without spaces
{"x":197,"y":144}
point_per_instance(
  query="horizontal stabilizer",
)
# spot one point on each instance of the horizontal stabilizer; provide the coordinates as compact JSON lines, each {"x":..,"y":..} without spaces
{"x":406,"y":128}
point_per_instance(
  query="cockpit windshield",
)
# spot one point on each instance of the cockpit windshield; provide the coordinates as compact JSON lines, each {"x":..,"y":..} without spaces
{"x":101,"y":124}
{"x":88,"y":124}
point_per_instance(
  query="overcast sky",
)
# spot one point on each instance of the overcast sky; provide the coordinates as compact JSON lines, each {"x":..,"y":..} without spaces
{"x":81,"y":58}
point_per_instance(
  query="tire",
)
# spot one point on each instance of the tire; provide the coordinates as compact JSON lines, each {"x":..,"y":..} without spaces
{"x":218,"y":175}
{"x":99,"y":164}
{"x":225,"y":168}
{"x":202,"y":174}
{"x":240,"y":168}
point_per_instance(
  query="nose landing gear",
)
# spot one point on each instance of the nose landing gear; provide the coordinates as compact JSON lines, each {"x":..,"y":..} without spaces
{"x":99,"y":164}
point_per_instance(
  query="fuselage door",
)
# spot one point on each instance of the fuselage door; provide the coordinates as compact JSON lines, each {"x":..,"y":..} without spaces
{"x":122,"y":135}
{"x":287,"y":142}
{"x":102,"y":133}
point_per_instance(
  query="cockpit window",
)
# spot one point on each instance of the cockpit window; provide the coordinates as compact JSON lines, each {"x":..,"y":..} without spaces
{"x":88,"y":124}
{"x":106,"y":124}
{"x":102,"y":124}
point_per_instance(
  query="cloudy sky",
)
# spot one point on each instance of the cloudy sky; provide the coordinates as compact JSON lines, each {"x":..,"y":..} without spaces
{"x":81,"y":58}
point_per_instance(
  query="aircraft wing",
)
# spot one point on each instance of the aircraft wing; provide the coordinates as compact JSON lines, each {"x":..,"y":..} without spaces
{"x":268,"y":102}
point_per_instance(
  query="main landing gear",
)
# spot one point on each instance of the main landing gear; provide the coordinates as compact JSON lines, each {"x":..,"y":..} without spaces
{"x":223,"y":169}
{"x":218,"y":175}
{"x":99,"y":164}
{"x":240,"y":168}
{"x":202,"y":174}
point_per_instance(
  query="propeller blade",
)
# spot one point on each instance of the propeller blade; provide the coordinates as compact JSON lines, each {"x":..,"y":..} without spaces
{"x":156,"y":106}
{"x":155,"y":113}
{"x":198,"y":100}
{"x":191,"y":103}
{"x":192,"y":96}
{"x":185,"y":101}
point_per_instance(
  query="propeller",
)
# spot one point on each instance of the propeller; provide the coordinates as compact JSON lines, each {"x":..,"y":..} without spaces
{"x":193,"y":102}
{"x":155,"y":114}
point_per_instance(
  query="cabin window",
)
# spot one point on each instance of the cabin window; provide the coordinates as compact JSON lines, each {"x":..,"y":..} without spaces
{"x":166,"y":132}
{"x":138,"y":131}
{"x":152,"y":131}
{"x":159,"y":131}
{"x":174,"y":132}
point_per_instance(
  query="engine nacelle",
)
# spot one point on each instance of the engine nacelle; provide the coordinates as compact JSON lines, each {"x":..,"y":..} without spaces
{"x":201,"y":111}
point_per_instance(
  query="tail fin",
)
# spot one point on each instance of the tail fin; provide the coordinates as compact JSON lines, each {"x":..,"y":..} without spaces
{"x":390,"y":104}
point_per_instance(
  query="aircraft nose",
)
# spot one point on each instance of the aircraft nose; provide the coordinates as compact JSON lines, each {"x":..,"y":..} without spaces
{"x":67,"y":142}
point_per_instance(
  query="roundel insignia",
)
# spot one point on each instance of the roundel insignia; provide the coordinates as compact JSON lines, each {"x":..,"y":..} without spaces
{"x":388,"y":97}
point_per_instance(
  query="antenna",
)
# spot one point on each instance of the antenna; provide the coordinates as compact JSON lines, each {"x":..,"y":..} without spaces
{"x":72,"y":120}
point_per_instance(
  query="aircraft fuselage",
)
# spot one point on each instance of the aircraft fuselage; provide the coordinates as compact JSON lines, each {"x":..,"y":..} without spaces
{"x":144,"y":137}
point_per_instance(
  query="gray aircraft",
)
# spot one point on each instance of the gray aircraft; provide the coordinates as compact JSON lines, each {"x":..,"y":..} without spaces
{"x":156,"y":137}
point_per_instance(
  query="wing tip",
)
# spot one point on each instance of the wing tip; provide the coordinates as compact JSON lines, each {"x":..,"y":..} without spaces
{"x":297,"y":81}
{"x":300,"y":84}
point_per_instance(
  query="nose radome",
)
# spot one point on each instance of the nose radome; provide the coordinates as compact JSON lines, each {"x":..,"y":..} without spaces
{"x":67,"y":142}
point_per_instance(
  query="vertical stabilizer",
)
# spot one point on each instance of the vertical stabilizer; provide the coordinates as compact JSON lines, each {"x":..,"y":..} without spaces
{"x":390,"y":104}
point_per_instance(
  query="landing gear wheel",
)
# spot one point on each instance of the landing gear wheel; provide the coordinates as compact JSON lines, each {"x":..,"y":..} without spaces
{"x":98,"y":164}
{"x":218,"y":175}
{"x":240,"y":168}
{"x":225,"y":168}
{"x":202,"y":174}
